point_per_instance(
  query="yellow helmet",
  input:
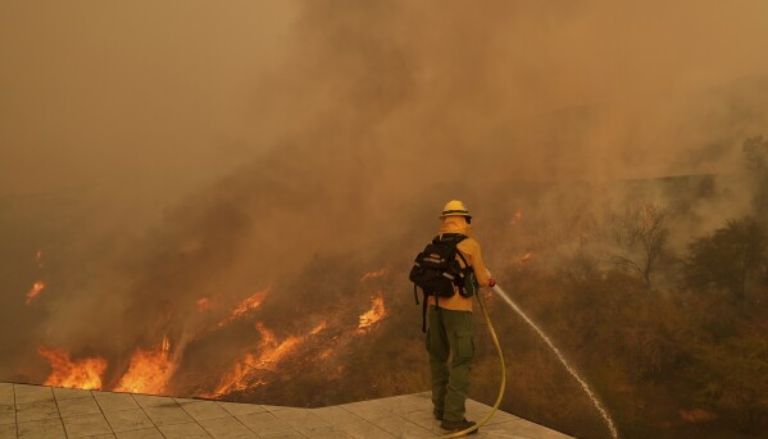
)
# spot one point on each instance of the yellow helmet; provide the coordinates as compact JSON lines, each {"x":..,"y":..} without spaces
{"x":456,"y":208}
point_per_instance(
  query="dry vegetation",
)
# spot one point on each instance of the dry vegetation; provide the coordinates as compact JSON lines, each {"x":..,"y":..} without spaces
{"x":664,"y":316}
{"x":673,"y":340}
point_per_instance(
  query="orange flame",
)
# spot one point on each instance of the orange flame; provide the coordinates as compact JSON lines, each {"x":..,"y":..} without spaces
{"x":149,"y":371}
{"x":273,"y":352}
{"x":248,"y":304}
{"x":373,"y":275}
{"x":373,"y":315}
{"x":203,"y":304}
{"x":80,"y":374}
{"x":35,"y":291}
{"x":319,"y":328}
{"x":697,"y":415}
{"x":270,"y":353}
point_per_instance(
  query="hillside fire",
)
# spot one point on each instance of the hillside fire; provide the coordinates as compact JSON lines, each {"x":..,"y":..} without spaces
{"x":373,"y":275}
{"x":246,"y":372}
{"x":517,"y":217}
{"x":35,"y":291}
{"x":149,"y":370}
{"x":85,"y":373}
{"x":248,"y":304}
{"x":152,"y":370}
{"x":203,"y":304}
{"x":373,"y":315}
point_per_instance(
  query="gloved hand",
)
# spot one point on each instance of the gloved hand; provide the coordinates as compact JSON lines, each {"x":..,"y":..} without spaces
{"x":491,"y":282}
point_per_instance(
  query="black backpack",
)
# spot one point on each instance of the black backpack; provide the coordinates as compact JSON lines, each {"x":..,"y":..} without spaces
{"x":436,"y":271}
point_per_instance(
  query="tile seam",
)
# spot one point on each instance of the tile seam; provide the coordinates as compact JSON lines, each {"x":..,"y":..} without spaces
{"x":412,"y":423}
{"x":103,"y":415}
{"x":241,"y":422}
{"x":15,"y":411}
{"x":157,"y":428}
{"x":193,"y":418}
{"x":290,"y":427}
{"x":367,"y":420}
{"x":58,"y":410}
{"x":219,"y":403}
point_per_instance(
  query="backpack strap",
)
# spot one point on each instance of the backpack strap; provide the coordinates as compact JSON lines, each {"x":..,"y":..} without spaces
{"x":463,"y":259}
{"x":455,"y":239}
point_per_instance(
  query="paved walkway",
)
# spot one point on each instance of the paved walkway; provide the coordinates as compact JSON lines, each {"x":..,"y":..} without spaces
{"x":28,"y":411}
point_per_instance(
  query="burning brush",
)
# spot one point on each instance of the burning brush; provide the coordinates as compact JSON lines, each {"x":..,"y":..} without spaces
{"x":151,"y":369}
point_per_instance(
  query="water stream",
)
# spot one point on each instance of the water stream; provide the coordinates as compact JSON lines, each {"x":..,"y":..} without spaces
{"x":599,"y":406}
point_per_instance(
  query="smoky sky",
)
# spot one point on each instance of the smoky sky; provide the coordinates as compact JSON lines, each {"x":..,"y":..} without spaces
{"x":160,"y":151}
{"x":173,"y":95}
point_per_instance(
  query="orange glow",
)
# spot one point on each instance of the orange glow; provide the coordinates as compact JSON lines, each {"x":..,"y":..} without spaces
{"x":35,"y":291}
{"x":373,"y":315}
{"x":248,"y":304}
{"x":269,"y":354}
{"x":85,"y":373}
{"x":149,"y":371}
{"x":697,"y":415}
{"x":273,"y":352}
{"x":203,"y":304}
{"x":526,"y":257}
{"x":517,"y":217}
{"x":373,"y":275}
{"x":39,"y":258}
{"x":326,"y":354}
{"x":318,"y":328}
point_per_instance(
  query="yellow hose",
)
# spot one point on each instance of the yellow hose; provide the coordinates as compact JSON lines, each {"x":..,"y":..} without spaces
{"x":502,"y":385}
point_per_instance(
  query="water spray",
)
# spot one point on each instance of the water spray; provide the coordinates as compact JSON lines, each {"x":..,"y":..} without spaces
{"x":598,"y":405}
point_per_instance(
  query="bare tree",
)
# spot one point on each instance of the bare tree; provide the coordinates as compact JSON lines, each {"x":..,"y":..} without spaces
{"x":732,"y":258}
{"x":642,"y":234}
{"x":756,"y":163}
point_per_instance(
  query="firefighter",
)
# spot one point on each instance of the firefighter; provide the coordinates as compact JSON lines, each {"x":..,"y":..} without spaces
{"x":451,"y":328}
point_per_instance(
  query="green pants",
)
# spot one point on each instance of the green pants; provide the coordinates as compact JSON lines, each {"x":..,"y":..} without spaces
{"x":450,"y":334}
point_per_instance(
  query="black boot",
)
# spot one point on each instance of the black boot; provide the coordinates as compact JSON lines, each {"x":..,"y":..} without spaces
{"x":438,"y":414}
{"x":454,"y":426}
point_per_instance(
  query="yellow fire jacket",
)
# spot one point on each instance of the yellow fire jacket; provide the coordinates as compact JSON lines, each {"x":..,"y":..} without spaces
{"x":470,"y":249}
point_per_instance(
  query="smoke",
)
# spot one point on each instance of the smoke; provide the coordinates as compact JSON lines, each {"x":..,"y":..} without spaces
{"x":162,"y":153}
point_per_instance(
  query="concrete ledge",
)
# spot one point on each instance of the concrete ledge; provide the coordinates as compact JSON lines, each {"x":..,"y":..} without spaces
{"x":28,"y":411}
